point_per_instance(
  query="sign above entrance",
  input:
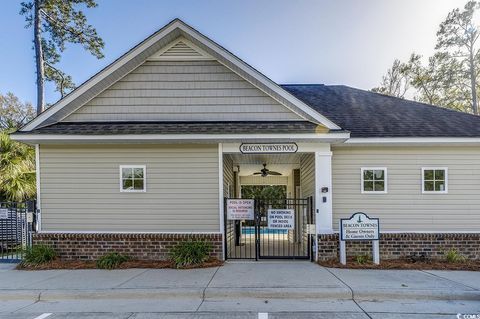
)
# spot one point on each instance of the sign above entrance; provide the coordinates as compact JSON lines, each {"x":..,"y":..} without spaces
{"x":268,"y":148}
{"x":359,"y":227}
{"x":240,"y":209}
{"x":281,"y":218}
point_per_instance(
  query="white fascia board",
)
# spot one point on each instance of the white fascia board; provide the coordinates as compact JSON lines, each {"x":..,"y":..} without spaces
{"x":202,"y":39}
{"x":399,"y":141}
{"x":64,"y":138}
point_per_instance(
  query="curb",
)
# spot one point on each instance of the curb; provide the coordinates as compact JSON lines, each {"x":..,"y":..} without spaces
{"x":278,"y":293}
{"x":100,"y":294}
{"x":217,"y":294}
{"x":389,"y":294}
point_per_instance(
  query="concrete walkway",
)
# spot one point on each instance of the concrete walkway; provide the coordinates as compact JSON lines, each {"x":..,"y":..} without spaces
{"x":278,"y":287}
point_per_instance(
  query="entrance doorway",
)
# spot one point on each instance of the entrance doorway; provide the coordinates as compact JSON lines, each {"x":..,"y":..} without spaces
{"x":279,"y":229}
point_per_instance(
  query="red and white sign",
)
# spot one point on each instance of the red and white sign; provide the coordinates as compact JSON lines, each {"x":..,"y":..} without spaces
{"x":240,"y":209}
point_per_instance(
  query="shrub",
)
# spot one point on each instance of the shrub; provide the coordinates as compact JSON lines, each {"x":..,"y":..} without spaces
{"x":191,"y":252}
{"x":362,"y":259}
{"x":111,"y":260}
{"x":39,"y":254}
{"x":453,"y":256}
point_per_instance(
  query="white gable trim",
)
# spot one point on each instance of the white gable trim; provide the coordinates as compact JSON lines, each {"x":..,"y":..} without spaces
{"x":190,"y":32}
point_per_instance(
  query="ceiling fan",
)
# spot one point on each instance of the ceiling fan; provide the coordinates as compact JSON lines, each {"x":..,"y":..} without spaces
{"x":264,"y":172}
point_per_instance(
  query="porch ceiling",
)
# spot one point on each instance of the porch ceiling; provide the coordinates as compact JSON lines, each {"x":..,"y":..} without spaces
{"x":251,"y":163}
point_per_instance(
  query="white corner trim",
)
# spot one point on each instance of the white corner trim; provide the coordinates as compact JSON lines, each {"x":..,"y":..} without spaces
{"x":177,"y":24}
{"x":144,"y":168}
{"x":221,"y":196}
{"x":362,"y":180}
{"x":445,"y":191}
{"x":37,"y":179}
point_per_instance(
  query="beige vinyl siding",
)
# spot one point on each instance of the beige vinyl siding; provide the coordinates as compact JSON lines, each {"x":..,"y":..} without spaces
{"x":405,"y":208}
{"x":307,"y":187}
{"x":80,"y":188}
{"x":307,"y":175}
{"x":228,"y":180}
{"x":182,"y":91}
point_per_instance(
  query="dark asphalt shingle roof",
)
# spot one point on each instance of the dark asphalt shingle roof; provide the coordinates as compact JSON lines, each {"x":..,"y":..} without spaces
{"x":111,"y":128}
{"x":362,"y":113}
{"x":368,"y":114}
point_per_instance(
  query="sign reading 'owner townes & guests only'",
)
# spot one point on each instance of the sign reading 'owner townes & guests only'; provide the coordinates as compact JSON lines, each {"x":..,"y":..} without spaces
{"x":268,"y":148}
{"x":360,"y":227}
{"x":240,"y":209}
{"x":281,"y":218}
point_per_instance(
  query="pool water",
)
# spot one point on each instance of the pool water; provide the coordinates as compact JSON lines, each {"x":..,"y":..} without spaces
{"x":251,"y":231}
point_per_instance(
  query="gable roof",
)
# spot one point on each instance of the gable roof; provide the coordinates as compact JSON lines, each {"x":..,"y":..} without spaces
{"x":369,"y":115}
{"x":152,"y":45}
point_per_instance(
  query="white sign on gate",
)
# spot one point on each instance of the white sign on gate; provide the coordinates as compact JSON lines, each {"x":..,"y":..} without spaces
{"x":281,"y":218}
{"x":3,"y":213}
{"x":240,"y":209}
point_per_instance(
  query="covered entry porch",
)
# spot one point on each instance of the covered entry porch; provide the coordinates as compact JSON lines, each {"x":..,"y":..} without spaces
{"x":291,"y":184}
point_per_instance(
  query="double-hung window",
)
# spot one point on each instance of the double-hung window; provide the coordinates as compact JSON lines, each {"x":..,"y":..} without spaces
{"x":374,"y":180}
{"x":133,"y":178}
{"x":434,"y":180}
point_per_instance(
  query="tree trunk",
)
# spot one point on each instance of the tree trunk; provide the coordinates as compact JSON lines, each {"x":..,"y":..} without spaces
{"x":37,"y":39}
{"x":473,"y":83}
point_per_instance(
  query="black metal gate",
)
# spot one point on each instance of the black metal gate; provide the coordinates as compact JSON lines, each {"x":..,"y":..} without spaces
{"x":287,"y":237}
{"x":17,"y":222}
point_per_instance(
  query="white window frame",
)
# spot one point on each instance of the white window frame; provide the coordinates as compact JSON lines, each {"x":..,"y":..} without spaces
{"x":362,"y":189}
{"x":445,"y":191}
{"x":144,"y":167}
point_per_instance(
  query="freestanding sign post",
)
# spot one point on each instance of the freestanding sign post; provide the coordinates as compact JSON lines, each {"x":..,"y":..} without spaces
{"x":362,"y":228}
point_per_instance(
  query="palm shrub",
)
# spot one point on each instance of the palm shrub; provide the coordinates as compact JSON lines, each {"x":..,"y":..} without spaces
{"x":190,"y":253}
{"x":111,"y":260}
{"x":39,"y":254}
{"x":17,"y":170}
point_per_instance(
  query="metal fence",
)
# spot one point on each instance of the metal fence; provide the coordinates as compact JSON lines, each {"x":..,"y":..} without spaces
{"x":17,"y":222}
{"x":254,"y":239}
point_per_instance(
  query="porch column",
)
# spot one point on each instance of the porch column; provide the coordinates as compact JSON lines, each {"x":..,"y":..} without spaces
{"x":323,"y":200}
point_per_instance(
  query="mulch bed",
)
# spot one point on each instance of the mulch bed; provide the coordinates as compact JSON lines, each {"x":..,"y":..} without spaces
{"x":81,"y":264}
{"x":473,"y":265}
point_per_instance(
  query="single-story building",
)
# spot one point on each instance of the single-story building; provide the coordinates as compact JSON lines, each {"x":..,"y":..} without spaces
{"x":156,"y":147}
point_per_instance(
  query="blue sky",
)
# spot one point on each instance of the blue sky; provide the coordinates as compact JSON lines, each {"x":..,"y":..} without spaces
{"x":347,"y":42}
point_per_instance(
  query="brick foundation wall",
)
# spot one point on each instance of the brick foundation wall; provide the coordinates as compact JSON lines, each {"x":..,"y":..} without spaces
{"x":138,"y":246}
{"x":394,"y":246}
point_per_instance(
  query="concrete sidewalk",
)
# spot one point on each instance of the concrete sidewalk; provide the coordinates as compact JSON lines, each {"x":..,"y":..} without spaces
{"x":242,"y":286}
